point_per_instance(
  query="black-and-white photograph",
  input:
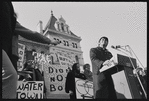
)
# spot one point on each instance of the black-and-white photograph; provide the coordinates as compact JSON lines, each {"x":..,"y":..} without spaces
{"x":74,"y":50}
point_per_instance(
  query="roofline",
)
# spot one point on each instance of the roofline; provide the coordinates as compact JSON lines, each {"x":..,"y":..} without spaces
{"x":61,"y":33}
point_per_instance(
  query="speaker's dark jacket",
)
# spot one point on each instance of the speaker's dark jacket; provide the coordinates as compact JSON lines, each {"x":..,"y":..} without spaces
{"x":98,"y":55}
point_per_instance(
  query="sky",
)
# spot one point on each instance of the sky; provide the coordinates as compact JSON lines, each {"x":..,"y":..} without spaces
{"x":124,"y":23}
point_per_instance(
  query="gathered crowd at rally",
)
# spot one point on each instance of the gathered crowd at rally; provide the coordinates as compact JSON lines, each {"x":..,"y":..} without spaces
{"x":33,"y":75}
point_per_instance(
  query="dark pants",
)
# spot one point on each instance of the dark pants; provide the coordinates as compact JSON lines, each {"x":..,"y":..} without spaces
{"x":107,"y":90}
{"x":103,"y":93}
{"x":73,"y":96}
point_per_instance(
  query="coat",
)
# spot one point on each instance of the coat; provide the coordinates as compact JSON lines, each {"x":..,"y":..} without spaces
{"x":98,"y":56}
{"x":70,"y":83}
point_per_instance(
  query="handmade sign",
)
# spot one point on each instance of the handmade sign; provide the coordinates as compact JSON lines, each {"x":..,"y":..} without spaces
{"x":30,"y":90}
{"x":21,"y":50}
{"x":55,"y":77}
{"x":84,"y":89}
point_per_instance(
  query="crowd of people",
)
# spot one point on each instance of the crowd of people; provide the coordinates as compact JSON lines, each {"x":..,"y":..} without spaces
{"x":103,"y":86}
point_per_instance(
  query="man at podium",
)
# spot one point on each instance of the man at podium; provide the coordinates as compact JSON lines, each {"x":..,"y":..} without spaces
{"x":103,"y":86}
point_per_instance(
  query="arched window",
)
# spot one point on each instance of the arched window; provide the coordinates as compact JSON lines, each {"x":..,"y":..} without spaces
{"x":64,"y":42}
{"x":77,"y":59}
{"x":62,"y":26}
{"x":58,"y":27}
{"x":76,"y":45}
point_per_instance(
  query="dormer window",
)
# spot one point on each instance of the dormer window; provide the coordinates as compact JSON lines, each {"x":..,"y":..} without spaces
{"x":62,"y":26}
{"x":58,"y":26}
{"x":67,"y":29}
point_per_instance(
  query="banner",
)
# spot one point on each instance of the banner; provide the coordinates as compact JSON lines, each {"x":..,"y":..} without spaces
{"x":65,"y":59}
{"x":84,"y":89}
{"x":21,"y":50}
{"x":55,"y":73}
{"x":30,"y":90}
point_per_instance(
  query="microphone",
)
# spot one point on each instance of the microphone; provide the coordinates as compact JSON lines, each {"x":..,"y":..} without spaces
{"x":118,"y":46}
{"x":115,"y":47}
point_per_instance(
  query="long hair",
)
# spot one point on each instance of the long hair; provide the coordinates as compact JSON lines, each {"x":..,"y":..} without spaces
{"x":74,"y":68}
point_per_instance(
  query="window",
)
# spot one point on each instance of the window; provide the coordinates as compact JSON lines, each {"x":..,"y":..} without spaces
{"x":67,"y":43}
{"x":74,"y":45}
{"x":62,"y":26}
{"x":64,"y":42}
{"x":77,"y":59}
{"x":67,"y":29}
{"x":57,"y":39}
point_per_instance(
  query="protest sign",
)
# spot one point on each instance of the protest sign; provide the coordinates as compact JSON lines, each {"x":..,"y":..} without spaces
{"x":65,"y":59}
{"x":21,"y":50}
{"x":55,"y":73}
{"x":55,"y":77}
{"x":84,"y":88}
{"x":30,"y":90}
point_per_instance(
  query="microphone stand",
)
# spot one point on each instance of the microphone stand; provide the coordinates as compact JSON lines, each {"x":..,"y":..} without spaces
{"x":133,"y":66}
{"x":137,"y":73}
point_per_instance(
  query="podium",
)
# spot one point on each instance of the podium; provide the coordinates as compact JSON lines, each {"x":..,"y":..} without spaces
{"x":124,"y":81}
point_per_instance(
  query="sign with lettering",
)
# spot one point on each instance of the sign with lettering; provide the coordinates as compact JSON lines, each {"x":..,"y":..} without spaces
{"x":55,"y":73}
{"x":55,"y":77}
{"x":21,"y":50}
{"x":30,"y":90}
{"x":65,"y":59}
{"x":84,"y":89}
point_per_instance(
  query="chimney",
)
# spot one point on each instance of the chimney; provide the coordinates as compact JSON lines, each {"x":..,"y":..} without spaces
{"x":39,"y":27}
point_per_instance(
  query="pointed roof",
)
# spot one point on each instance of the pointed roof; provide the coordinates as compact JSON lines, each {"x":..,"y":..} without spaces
{"x":52,"y":21}
{"x":62,"y":19}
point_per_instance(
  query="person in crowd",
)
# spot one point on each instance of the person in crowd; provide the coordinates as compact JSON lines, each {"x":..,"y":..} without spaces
{"x":70,"y":80}
{"x":9,"y":38}
{"x":27,"y":73}
{"x":31,"y":72}
{"x":103,"y":83}
{"x":87,"y":72}
{"x":30,"y":35}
